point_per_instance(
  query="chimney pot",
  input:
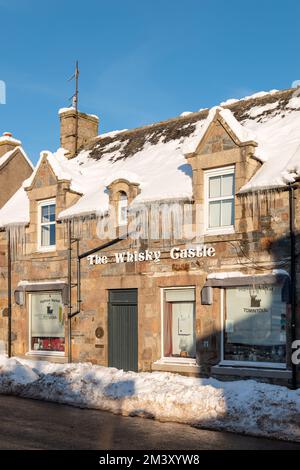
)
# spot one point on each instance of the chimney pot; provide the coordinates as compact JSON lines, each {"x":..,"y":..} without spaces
{"x":8,"y":143}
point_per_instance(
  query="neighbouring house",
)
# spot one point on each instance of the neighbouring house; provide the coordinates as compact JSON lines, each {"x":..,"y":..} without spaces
{"x":15,"y":166}
{"x":166,"y":247}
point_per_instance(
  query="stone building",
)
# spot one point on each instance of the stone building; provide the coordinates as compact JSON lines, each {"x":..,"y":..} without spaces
{"x":15,"y":166}
{"x":163,"y":248}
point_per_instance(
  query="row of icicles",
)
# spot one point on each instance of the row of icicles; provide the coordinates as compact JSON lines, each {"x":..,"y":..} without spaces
{"x":83,"y":228}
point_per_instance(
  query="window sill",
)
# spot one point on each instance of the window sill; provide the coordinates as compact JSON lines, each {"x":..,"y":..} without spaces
{"x":272,"y":373}
{"x":45,"y":353}
{"x":178,"y":366}
{"x":46,"y":249}
{"x":176,"y":360}
{"x":61,"y":358}
{"x":253,"y":365}
{"x":220,"y":231}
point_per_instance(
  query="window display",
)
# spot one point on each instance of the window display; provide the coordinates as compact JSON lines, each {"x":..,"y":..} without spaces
{"x":47,"y":322}
{"x":179,"y":323}
{"x":255,"y":324}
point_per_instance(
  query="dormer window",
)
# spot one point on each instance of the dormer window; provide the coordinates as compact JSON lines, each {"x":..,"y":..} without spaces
{"x":46,"y":225}
{"x":219,"y":200}
{"x":122,"y":208}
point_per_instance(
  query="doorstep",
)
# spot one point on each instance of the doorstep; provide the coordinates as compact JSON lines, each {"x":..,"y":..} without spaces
{"x":178,"y":367}
{"x":251,"y":372}
{"x":44,"y":357}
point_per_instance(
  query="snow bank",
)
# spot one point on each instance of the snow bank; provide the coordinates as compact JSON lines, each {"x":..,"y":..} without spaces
{"x":242,"y":406}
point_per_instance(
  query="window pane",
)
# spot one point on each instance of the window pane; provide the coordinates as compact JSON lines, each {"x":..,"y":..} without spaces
{"x":47,"y":322}
{"x":52,"y":234}
{"x":52,"y":212}
{"x":123,"y":207}
{"x":215,"y":186}
{"x":227,"y":213}
{"x":255,"y":324}
{"x":215,"y":214}
{"x":227,"y":185}
{"x":45,"y":214}
{"x":48,"y":235}
{"x":48,"y":213}
{"x":45,"y":238}
{"x":180,"y":295}
{"x":179,"y":329}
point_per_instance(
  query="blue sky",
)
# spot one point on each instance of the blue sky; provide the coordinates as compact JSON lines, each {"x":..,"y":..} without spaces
{"x":140,"y":61}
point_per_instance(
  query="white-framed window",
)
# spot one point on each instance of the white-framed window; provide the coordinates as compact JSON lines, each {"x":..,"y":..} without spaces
{"x":178,"y":324}
{"x":46,"y":323}
{"x":253,"y":326}
{"x":219,"y":188}
{"x":46,"y":225}
{"x":122,"y":208}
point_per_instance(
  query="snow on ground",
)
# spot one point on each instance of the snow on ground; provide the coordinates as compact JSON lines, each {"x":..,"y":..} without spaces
{"x":245,"y":406}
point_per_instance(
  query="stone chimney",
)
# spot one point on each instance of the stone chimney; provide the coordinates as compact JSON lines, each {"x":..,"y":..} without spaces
{"x":8,"y":143}
{"x":87,"y":129}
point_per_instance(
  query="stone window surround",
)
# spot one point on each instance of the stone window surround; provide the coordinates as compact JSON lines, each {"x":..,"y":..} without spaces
{"x":207,"y":174}
{"x":244,"y":364}
{"x":31,"y":287}
{"x":43,"y":353}
{"x":117,"y":187}
{"x":172,"y":360}
{"x":242,"y":157}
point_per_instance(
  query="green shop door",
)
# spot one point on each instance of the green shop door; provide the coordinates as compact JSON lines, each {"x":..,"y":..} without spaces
{"x":123,"y":329}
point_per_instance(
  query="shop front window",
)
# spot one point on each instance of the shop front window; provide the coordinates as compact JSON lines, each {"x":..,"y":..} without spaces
{"x":179,"y":323}
{"x":47,"y":322}
{"x":255,"y":324}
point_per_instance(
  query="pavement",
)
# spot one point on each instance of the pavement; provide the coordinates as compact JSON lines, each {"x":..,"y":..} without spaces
{"x":31,"y":424}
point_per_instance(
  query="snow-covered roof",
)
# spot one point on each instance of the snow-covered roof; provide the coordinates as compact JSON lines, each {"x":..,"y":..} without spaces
{"x":241,"y":132}
{"x":16,"y":210}
{"x":8,"y":155}
{"x":154,"y":155}
{"x":7,"y":137}
{"x":64,"y":170}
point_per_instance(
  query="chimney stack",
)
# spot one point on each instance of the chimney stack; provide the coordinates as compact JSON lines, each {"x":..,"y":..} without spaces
{"x":87,"y":129}
{"x":8,"y":143}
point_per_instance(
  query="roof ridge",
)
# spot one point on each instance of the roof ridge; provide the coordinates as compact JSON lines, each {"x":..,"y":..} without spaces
{"x":195,"y":115}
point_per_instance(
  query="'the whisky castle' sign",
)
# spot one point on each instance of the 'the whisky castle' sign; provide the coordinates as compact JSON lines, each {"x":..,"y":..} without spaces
{"x":176,"y":253}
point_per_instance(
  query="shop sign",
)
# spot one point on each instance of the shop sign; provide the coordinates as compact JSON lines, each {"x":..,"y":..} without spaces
{"x":176,"y":253}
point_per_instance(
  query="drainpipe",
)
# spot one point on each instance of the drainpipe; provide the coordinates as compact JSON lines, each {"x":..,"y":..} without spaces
{"x":293,"y":276}
{"x":8,"y":294}
{"x":70,"y":291}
